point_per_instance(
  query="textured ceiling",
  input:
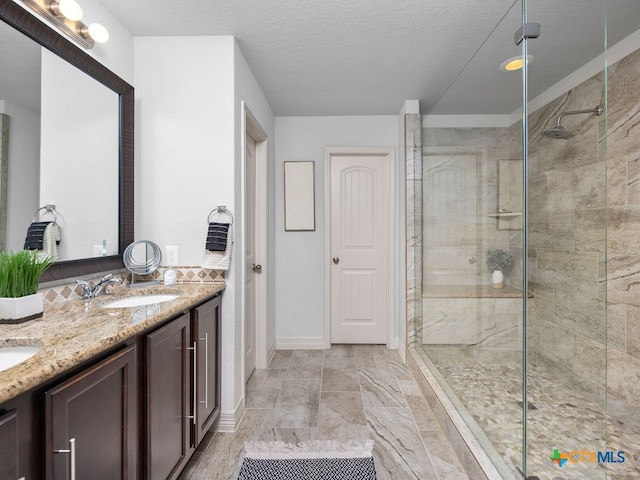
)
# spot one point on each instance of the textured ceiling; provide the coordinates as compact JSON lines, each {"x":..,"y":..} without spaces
{"x":334,"y":57}
{"x":366,"y":57}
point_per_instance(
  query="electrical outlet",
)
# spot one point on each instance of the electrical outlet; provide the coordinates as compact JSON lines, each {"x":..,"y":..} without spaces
{"x":97,"y":250}
{"x":172,"y":255}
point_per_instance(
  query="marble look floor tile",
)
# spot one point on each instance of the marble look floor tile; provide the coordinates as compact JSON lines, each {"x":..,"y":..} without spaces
{"x":340,"y":380}
{"x":422,"y":413}
{"x":296,"y":391}
{"x":322,"y":395}
{"x":379,"y":389}
{"x":306,"y":364}
{"x":263,"y":388}
{"x":371,"y":356}
{"x":224,"y":454}
{"x":339,"y":358}
{"x":295,"y":416}
{"x":400,"y":453}
{"x":281,"y":360}
{"x":446,"y":465}
{"x":341,"y":416}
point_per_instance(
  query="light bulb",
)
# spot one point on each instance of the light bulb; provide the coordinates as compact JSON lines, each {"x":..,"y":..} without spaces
{"x":98,"y":32}
{"x":67,"y":8}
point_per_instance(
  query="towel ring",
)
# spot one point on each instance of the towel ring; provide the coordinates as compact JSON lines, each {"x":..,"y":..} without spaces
{"x":220,"y":209}
{"x":49,"y":209}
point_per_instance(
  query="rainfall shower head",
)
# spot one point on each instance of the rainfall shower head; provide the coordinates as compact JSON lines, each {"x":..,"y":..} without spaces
{"x":558,"y":131}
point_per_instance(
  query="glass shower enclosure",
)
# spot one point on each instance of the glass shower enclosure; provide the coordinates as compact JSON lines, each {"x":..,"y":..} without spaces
{"x":523,"y":213}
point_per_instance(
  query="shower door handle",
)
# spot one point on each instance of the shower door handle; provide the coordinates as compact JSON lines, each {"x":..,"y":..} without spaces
{"x":336,"y":260}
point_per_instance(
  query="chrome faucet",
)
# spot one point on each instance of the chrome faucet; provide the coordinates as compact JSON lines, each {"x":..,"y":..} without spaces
{"x":89,"y":290}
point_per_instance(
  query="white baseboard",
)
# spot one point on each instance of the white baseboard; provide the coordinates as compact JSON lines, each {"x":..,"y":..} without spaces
{"x":229,"y":420}
{"x":271,"y":351}
{"x":300,"y":343}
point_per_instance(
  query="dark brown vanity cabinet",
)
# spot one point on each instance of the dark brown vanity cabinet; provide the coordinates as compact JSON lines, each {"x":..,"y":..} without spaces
{"x":182,"y":388}
{"x":168,"y":399}
{"x":91,"y":422}
{"x":9,"y":445}
{"x":126,"y":414}
{"x":206,"y":335}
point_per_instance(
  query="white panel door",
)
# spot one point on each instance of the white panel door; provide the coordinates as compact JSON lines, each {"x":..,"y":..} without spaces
{"x":359,"y":242}
{"x":250,"y":259}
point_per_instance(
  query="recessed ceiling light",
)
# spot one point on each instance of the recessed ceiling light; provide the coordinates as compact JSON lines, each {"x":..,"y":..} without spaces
{"x":515,"y":63}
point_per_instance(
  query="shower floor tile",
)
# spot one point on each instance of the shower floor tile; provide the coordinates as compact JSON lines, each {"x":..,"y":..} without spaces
{"x":558,"y":417}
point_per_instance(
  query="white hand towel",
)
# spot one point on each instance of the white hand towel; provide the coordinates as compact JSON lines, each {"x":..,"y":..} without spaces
{"x":49,"y":241}
{"x":219,"y":260}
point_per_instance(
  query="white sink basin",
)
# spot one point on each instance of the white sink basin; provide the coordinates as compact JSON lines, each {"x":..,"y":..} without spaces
{"x":140,"y":300}
{"x":11,"y":356}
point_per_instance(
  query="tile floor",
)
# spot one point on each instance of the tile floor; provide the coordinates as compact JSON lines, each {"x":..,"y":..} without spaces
{"x":346,"y":392}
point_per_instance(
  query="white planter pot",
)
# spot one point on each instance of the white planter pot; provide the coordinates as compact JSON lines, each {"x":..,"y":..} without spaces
{"x":497,"y":279}
{"x":18,"y":310}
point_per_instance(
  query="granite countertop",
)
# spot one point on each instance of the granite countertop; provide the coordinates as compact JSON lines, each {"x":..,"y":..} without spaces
{"x":77,"y":330}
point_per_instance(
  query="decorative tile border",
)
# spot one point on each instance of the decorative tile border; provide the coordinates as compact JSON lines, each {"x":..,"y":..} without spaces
{"x":186,"y":274}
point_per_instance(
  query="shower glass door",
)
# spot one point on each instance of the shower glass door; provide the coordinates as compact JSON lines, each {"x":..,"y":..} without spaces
{"x":582,"y":397}
{"x":544,"y":371}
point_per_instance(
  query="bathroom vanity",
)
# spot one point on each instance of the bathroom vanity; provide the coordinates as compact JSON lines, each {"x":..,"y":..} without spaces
{"x":114,"y":392}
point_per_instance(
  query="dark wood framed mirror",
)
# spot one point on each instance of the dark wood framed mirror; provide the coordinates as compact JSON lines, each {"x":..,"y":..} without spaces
{"x":26,"y":23}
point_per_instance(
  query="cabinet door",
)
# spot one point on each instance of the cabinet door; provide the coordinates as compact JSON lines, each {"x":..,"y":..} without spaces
{"x":206,"y":334}
{"x":9,"y":445}
{"x":90,"y":422}
{"x":168,"y":399}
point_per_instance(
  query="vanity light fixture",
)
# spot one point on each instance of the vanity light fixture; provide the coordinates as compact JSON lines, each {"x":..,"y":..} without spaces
{"x":67,"y":16}
{"x":67,"y":8}
{"x":515,"y":63}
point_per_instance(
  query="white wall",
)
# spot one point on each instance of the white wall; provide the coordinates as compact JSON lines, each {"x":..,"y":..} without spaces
{"x":300,"y":258}
{"x":188,"y":161}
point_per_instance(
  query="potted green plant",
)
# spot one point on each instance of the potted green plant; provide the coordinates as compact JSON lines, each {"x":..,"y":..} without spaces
{"x":20,"y":274}
{"x":497,"y":261}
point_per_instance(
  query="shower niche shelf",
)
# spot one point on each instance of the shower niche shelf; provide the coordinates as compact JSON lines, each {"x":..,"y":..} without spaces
{"x":504,"y":214}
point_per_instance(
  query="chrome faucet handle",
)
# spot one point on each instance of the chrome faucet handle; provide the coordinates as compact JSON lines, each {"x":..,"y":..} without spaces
{"x":87,"y":288}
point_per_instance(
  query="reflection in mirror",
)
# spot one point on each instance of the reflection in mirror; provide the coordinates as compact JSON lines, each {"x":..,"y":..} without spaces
{"x":73,"y":119}
{"x":90,"y":174}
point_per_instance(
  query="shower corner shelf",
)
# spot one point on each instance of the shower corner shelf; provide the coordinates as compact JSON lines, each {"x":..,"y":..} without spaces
{"x":504,"y":214}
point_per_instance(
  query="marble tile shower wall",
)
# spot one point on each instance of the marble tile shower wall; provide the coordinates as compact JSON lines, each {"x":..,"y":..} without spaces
{"x":584,"y":222}
{"x":413,"y":172}
{"x":450,"y":239}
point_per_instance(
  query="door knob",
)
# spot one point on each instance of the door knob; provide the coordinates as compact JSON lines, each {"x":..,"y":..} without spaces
{"x":256,"y":268}
{"x":336,"y":260}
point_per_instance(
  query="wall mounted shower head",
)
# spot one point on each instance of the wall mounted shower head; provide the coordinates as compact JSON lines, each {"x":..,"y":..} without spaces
{"x":558,"y":131}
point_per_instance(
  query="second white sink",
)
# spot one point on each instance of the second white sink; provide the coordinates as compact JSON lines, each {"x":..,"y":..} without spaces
{"x":140,"y":300}
{"x":13,"y":355}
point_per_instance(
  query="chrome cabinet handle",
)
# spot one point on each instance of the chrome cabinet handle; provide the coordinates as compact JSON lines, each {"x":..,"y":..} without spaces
{"x":336,"y":260}
{"x":195,"y":383}
{"x":72,"y":457}
{"x":256,"y":268}
{"x":206,"y":371}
